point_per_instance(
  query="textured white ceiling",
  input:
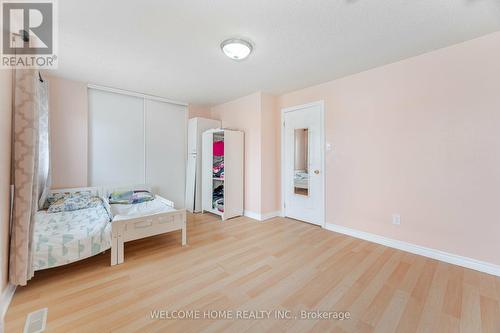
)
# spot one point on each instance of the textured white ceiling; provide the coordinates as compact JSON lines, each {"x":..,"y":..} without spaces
{"x":171,"y":48}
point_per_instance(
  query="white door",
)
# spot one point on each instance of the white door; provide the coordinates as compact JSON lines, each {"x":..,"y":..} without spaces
{"x":165,"y":143}
{"x":116,"y":139}
{"x":303,"y":179}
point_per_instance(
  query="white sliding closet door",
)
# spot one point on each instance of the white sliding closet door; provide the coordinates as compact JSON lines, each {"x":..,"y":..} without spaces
{"x":166,"y":149}
{"x":116,"y":139}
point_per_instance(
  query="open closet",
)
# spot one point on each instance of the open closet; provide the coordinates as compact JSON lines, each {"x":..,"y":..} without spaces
{"x":222,"y":165}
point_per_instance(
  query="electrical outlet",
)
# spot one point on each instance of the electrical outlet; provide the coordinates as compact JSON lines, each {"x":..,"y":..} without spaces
{"x":396,"y":219}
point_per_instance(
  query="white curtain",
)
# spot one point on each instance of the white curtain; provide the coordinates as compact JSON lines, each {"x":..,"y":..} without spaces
{"x":31,"y":176}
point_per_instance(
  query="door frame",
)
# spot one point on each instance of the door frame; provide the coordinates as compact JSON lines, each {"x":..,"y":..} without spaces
{"x":321,"y":105}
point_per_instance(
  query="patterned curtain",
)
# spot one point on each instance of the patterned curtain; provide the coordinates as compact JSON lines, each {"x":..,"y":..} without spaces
{"x":31,"y":167}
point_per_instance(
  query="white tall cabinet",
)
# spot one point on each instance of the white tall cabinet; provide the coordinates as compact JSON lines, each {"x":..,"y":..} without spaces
{"x":196,"y":127}
{"x":222,"y":192}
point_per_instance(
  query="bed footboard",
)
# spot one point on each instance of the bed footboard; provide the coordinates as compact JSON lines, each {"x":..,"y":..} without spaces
{"x":142,"y":227}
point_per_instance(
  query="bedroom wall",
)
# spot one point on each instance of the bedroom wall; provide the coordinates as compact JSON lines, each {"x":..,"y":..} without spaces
{"x":270,"y":152}
{"x":5,"y":142}
{"x":244,"y":114}
{"x":420,"y":138}
{"x":68,"y":132}
{"x":195,"y":110}
{"x":256,"y":115}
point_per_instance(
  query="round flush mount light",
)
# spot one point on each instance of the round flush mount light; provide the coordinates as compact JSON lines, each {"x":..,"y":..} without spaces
{"x":236,"y":49}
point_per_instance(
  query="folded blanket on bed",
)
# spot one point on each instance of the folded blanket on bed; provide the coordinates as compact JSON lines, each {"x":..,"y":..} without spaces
{"x":130,"y":197}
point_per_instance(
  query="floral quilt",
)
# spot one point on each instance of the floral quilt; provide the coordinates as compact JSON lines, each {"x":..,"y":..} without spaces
{"x":64,"y":237}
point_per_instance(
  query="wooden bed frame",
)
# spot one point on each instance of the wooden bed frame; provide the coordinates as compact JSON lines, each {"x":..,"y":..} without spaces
{"x":145,"y":226}
{"x":125,"y":230}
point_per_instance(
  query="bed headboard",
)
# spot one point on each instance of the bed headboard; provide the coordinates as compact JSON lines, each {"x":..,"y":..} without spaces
{"x":106,"y":191}
{"x":93,"y":190}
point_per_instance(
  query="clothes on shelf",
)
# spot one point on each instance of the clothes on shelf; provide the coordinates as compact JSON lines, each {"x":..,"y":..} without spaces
{"x":218,"y":169}
{"x":218,"y":191}
{"x":219,"y":205}
{"x":218,"y":198}
{"x":223,"y":148}
{"x":218,"y":149}
{"x":218,"y":172}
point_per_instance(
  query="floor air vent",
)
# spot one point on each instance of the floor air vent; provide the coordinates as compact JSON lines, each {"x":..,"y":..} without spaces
{"x":36,"y":321}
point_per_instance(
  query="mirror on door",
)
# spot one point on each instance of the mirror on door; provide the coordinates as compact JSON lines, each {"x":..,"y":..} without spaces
{"x":301,"y":171}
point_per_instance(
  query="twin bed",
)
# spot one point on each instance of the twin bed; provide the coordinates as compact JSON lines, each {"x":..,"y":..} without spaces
{"x":64,"y":237}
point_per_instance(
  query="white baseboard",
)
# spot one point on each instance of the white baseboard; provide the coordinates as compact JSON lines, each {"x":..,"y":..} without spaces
{"x":252,"y":215}
{"x":261,"y":217}
{"x":454,"y":259}
{"x":270,"y":215}
{"x":5,"y":299}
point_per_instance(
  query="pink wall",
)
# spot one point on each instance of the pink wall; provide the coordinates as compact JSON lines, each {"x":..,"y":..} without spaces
{"x":195,"y":110}
{"x":244,"y":114}
{"x":256,"y":115}
{"x":69,"y":132}
{"x":5,"y":142}
{"x":420,"y":138}
{"x":270,"y":154}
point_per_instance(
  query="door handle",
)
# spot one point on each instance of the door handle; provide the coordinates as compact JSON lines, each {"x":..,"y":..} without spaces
{"x":316,"y":172}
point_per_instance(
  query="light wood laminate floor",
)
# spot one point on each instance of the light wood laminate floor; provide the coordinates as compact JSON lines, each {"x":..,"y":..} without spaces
{"x":242,"y":264}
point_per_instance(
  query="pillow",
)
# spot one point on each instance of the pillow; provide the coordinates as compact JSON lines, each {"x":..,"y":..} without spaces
{"x":53,"y":197}
{"x":130,"y":197}
{"x":142,"y":196}
{"x":74,"y":201}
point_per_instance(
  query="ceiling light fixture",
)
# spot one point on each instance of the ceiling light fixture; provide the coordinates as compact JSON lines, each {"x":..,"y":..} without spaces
{"x":236,"y":49}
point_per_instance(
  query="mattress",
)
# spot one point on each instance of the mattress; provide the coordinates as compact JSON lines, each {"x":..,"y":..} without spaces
{"x":123,"y":212}
{"x":66,"y":237}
